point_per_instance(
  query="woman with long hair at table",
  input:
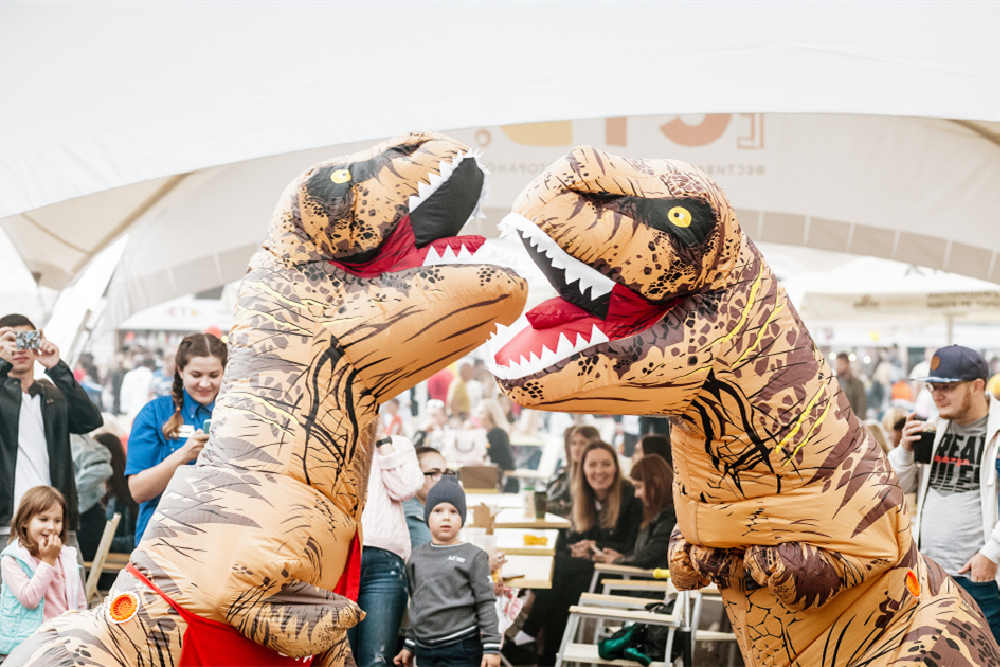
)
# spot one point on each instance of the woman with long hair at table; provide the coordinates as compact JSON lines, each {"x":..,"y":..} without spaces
{"x":605,"y":514}
{"x":652,"y":478}
{"x":559,"y":489}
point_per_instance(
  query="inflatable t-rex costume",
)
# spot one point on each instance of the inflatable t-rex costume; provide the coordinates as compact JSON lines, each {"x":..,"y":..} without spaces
{"x":344,"y":306}
{"x":782,"y":499}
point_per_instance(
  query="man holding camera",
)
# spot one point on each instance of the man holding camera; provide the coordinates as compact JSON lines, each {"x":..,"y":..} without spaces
{"x":956,"y":522}
{"x":36,"y":418}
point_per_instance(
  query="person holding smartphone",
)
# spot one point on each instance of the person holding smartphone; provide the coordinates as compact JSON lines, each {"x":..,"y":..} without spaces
{"x":170,"y":431}
{"x":37,"y":416}
{"x":957,"y":520}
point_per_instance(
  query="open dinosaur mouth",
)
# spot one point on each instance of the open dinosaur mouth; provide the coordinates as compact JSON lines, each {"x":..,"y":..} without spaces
{"x":591,"y":309}
{"x":446,"y":201}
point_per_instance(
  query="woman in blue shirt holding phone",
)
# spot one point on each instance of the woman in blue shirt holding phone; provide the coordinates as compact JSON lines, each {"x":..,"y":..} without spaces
{"x":170,"y":431}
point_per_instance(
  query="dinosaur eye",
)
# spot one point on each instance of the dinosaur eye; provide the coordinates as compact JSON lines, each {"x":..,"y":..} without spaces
{"x":340,"y":176}
{"x":679,"y":217}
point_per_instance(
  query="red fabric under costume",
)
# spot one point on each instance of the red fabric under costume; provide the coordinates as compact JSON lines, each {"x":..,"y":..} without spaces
{"x":208,"y":643}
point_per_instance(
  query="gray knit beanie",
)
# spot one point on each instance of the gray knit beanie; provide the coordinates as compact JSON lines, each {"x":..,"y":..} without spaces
{"x":447,"y":490}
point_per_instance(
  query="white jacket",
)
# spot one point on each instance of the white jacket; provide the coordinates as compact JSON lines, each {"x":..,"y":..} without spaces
{"x":393,"y":479}
{"x":76,"y":598}
{"x":915,"y":477}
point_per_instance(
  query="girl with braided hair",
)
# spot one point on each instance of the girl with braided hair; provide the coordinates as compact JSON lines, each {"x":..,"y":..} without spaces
{"x":167,"y":433}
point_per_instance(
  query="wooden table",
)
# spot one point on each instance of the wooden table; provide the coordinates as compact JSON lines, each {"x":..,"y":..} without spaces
{"x":514,"y":517}
{"x":532,"y":475}
{"x":534,"y":563}
{"x":536,"y":571}
{"x":494,"y":501}
{"x":511,"y":541}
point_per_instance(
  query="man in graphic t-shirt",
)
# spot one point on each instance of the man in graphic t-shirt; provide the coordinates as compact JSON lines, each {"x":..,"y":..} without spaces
{"x":956,"y":521}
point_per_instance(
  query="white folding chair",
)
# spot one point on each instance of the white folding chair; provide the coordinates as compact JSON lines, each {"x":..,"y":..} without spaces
{"x":709,"y":636}
{"x":624,"y":609}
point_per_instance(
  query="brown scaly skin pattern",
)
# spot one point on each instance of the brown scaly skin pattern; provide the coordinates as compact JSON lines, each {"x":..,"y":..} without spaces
{"x":257,"y":533}
{"x":781,"y":497}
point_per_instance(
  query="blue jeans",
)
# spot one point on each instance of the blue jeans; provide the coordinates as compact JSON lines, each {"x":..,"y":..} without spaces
{"x":466,"y":652}
{"x":382,"y":595}
{"x":987,"y":596}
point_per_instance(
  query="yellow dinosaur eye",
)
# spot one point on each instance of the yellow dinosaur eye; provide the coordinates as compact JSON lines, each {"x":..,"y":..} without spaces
{"x":679,"y":216}
{"x":340,"y":176}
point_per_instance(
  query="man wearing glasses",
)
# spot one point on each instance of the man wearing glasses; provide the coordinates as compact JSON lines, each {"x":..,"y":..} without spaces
{"x":433,"y":465}
{"x":956,"y":522}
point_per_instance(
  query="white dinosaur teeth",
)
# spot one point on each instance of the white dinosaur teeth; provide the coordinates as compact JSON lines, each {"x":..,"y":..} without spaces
{"x":600,"y":289}
{"x":536,"y":360}
{"x":464,"y":253}
{"x":597,"y":336}
{"x":565,"y":347}
{"x":429,"y":184}
{"x":507,"y":229}
{"x":575,"y":272}
{"x":548,"y":356}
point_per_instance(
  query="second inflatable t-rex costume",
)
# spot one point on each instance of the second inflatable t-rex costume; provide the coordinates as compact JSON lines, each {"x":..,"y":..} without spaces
{"x":782,"y":499}
{"x":348,"y":302}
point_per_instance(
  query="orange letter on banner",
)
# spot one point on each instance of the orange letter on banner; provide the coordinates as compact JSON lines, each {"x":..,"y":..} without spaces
{"x":616,"y":131}
{"x":553,"y":133}
{"x":710,"y":129}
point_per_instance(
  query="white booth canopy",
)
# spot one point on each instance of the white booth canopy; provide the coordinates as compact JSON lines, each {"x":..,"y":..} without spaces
{"x":918,"y":191}
{"x":184,"y":120}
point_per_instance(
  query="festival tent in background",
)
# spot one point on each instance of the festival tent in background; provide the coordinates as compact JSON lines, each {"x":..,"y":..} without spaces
{"x":853,"y":301}
{"x":860,"y":127}
{"x":847,"y":183}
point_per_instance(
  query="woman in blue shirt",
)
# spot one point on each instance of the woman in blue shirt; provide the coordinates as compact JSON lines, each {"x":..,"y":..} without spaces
{"x":167,"y":432}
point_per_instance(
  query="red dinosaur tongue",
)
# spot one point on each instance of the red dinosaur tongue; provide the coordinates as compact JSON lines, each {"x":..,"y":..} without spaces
{"x":557,"y":322}
{"x":400,"y":251}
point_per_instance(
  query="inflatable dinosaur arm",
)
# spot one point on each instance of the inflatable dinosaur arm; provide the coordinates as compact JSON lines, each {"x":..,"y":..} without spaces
{"x":272,"y":622}
{"x":800,"y":575}
{"x":692,"y":566}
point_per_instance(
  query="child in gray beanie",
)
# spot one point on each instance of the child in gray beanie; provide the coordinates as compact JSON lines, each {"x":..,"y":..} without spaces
{"x":447,"y":490}
{"x":453,"y":619}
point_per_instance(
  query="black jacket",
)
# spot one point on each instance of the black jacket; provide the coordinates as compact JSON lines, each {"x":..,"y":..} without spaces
{"x":621,"y":536}
{"x":65,"y":409}
{"x":650,"y":548}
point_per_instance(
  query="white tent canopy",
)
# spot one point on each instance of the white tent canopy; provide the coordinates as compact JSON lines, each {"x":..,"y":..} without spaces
{"x":107,"y":109}
{"x":859,"y":184}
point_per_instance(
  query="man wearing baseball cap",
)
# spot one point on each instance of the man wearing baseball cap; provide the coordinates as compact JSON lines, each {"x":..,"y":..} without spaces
{"x":956,"y":521}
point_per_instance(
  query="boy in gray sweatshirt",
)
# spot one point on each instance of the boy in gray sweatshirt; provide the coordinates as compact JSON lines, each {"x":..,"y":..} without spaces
{"x":453,"y":620}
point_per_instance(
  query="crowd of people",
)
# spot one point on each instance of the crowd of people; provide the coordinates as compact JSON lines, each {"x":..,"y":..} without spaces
{"x":426,"y":593}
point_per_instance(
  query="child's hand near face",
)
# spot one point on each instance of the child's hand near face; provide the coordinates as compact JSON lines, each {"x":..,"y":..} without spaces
{"x":49,"y":548}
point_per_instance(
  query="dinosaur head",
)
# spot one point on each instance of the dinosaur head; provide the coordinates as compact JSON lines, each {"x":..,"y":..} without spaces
{"x":383,"y":209}
{"x":640,"y":253}
{"x":374,"y":235}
